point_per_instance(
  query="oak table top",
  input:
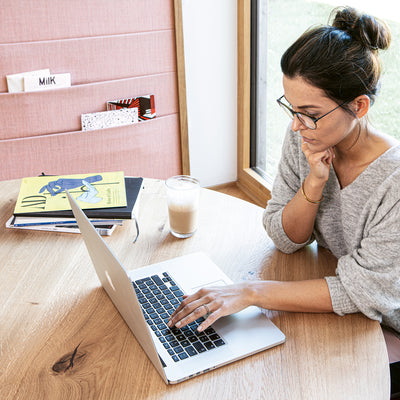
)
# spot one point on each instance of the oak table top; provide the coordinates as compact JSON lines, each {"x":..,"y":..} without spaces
{"x":61,"y":337}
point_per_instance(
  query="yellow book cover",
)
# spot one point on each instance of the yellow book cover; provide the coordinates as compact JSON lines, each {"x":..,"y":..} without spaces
{"x":47,"y":193}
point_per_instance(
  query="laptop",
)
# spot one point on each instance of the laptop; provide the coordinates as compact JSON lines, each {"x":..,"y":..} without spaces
{"x":145,"y":298}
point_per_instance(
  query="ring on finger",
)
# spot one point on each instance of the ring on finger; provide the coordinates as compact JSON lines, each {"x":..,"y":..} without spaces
{"x":207,"y":309}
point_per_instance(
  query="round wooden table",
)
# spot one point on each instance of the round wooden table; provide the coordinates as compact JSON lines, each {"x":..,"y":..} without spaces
{"x":61,"y":337}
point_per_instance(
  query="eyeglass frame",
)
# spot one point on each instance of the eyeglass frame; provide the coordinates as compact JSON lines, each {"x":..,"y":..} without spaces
{"x":296,"y":113}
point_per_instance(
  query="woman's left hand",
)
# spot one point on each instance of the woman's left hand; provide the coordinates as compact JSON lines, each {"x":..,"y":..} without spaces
{"x":215,"y":301}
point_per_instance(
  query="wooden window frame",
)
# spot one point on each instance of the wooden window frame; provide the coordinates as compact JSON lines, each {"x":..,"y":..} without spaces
{"x":180,"y":66}
{"x":253,"y":184}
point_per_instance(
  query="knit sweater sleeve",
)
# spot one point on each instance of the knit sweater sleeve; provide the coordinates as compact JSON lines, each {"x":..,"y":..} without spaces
{"x":368,"y":278}
{"x":286,"y":185}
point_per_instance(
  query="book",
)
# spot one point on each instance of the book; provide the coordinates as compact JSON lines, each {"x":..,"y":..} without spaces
{"x":46,"y":193}
{"x":31,"y":221}
{"x":109,"y":119}
{"x":144,"y":104}
{"x":132,"y":187}
{"x":104,"y":230}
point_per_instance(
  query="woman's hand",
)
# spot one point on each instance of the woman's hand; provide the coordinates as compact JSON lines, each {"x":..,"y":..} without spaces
{"x":298,"y":217}
{"x":298,"y":296}
{"x":319,"y":162}
{"x":215,"y":301}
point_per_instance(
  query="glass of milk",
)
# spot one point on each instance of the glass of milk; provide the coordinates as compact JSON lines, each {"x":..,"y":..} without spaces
{"x":183,"y":194}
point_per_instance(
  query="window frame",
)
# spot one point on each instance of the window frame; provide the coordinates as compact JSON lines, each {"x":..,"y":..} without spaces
{"x":181,"y":77}
{"x":251,"y":182}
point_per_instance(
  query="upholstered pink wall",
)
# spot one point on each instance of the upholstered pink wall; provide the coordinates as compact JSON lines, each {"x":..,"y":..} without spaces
{"x":112,"y":50}
{"x":150,"y":152}
{"x":37,"y":20}
{"x":57,"y":111}
{"x":94,"y":59}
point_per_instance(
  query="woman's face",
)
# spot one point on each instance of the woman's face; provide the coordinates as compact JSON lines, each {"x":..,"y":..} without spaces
{"x":337,"y":127}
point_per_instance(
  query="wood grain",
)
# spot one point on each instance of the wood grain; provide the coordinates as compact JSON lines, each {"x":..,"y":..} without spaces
{"x":181,"y":76}
{"x":61,"y":337}
{"x":232,"y":189}
{"x":248,"y":180}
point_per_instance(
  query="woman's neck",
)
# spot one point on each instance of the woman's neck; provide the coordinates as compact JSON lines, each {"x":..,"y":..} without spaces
{"x":363,"y":146}
{"x":356,"y":152}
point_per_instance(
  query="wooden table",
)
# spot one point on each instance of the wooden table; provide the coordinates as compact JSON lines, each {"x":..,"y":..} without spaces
{"x":61,"y":337}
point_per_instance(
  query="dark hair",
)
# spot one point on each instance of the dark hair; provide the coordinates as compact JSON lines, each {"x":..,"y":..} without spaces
{"x":342,"y":58}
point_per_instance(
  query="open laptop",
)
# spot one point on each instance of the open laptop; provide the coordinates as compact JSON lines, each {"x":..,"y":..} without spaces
{"x":145,"y":297}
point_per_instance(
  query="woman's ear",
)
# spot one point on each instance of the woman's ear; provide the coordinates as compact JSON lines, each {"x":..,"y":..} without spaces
{"x":360,"y":105}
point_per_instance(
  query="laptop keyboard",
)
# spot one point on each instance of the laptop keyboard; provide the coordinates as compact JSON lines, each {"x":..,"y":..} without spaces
{"x":159,"y":296}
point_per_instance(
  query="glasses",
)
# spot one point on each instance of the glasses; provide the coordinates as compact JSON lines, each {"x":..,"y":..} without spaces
{"x":306,"y":120}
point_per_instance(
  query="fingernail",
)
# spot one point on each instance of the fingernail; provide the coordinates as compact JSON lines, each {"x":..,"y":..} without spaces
{"x":169,"y":323}
{"x":199,"y":329}
{"x":178,"y":324}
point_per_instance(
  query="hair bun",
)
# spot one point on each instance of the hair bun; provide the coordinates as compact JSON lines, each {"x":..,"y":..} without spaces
{"x":372,"y":33}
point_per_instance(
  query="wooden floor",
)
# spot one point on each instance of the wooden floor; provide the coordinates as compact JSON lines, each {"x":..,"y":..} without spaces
{"x":232,"y":190}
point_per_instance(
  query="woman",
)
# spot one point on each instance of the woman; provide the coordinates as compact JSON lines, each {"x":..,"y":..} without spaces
{"x":338,"y":183}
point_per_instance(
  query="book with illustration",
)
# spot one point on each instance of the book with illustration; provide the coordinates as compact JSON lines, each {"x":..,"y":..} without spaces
{"x":133,"y":186}
{"x":145,"y":105}
{"x":91,"y":191}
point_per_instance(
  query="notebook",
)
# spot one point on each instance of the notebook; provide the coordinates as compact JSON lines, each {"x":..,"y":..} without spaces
{"x":231,"y":338}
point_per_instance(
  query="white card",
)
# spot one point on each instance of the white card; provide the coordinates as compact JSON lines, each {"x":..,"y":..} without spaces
{"x":15,"y":82}
{"x":109,"y":119}
{"x":46,"y":82}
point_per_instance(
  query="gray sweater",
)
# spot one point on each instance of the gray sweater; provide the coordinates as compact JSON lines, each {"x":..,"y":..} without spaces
{"x":359,"y":224}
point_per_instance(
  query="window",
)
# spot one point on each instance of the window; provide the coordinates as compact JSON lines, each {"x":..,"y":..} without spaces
{"x":269,"y":27}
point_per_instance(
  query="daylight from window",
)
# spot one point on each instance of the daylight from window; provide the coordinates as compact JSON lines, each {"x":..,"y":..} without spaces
{"x":279,"y":25}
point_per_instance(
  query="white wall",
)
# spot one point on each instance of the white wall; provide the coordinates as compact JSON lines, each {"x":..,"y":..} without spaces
{"x":210,"y":45}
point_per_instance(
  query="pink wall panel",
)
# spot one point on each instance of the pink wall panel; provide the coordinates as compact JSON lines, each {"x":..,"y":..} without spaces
{"x":113,"y":50}
{"x":92,"y":59}
{"x":150,"y":149}
{"x":25,"y":21}
{"x":59,"y":110}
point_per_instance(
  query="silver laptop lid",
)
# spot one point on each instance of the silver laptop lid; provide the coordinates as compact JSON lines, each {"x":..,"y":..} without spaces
{"x":112,"y":275}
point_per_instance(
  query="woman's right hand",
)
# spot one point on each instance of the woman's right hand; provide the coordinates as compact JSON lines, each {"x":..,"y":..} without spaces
{"x":217,"y":302}
{"x":299,"y":214}
{"x":319,"y":162}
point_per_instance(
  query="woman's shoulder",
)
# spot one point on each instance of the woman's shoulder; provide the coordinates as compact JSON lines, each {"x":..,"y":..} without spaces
{"x":389,"y":140}
{"x":385,"y":144}
{"x":384,"y":152}
{"x":390,"y":159}
{"x":384,"y":174}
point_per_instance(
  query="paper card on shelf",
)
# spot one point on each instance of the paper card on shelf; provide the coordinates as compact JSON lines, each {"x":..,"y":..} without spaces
{"x":145,"y":104}
{"x":15,"y":82}
{"x":109,"y":119}
{"x":47,"y":193}
{"x":46,"y":82}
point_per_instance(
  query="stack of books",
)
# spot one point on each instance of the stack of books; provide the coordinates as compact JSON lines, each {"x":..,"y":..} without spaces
{"x":106,"y":198}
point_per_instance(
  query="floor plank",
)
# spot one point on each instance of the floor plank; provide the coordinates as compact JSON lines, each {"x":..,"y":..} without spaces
{"x":233,"y":190}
